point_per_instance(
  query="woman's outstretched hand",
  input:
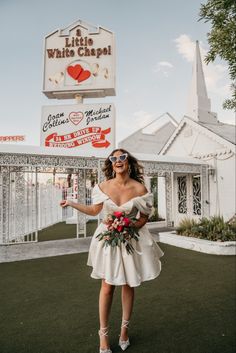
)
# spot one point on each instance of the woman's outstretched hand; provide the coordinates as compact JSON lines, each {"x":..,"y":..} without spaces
{"x":65,"y":203}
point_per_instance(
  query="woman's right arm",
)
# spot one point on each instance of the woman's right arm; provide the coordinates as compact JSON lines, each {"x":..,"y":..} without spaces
{"x":91,"y":210}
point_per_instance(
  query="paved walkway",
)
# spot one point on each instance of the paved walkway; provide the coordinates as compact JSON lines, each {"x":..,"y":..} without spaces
{"x":19,"y":252}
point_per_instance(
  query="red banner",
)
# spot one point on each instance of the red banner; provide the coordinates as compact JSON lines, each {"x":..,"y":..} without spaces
{"x":95,"y":135}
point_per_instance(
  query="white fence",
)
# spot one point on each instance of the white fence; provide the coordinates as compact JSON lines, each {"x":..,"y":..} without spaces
{"x":49,"y":209}
{"x":22,"y":208}
{"x":34,"y":208}
{"x":31,"y":208}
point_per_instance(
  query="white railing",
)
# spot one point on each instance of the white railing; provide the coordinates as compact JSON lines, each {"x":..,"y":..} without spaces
{"x":49,"y":209}
{"x":70,"y":215}
{"x":32,"y":209}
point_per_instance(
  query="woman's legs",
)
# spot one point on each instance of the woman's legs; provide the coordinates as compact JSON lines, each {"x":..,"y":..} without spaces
{"x":105,"y":301}
{"x":127,"y":298}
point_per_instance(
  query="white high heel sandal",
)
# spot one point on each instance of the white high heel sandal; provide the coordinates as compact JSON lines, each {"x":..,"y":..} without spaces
{"x":124,"y":344}
{"x":104,"y":332}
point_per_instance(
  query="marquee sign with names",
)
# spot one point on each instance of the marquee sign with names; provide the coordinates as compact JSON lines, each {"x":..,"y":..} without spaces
{"x":89,"y":128}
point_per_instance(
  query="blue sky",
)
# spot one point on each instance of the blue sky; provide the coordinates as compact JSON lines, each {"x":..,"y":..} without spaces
{"x":154,"y":45}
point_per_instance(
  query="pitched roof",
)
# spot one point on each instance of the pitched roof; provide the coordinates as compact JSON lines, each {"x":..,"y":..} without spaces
{"x":227,"y":131}
{"x":220,"y":131}
{"x":152,"y":127}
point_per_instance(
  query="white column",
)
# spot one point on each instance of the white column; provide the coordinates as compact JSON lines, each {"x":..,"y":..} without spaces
{"x":161,"y":195}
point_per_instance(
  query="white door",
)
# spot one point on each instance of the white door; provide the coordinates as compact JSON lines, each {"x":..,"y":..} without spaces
{"x":187,"y":197}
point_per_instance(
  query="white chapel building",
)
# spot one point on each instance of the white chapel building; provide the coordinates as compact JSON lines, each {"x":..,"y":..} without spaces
{"x":200,"y":136}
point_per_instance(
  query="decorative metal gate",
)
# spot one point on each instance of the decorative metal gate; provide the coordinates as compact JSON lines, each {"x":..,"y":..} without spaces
{"x":23,"y":206}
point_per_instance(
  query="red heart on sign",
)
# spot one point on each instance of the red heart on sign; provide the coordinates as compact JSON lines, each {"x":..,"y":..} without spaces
{"x":75,"y":71}
{"x":84,"y":75}
{"x":76,"y":117}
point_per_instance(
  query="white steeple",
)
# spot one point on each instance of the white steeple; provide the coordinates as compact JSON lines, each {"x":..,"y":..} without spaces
{"x":199,"y":105}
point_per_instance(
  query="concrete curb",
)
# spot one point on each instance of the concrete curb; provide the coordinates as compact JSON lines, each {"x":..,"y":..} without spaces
{"x":201,"y":245}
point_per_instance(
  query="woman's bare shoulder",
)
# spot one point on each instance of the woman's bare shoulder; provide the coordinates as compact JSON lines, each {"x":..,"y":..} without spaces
{"x":139,"y":188}
{"x":104,"y":185}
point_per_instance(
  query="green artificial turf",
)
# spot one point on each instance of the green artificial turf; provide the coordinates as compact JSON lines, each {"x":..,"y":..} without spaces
{"x":50,"y":305}
{"x":64,"y":231}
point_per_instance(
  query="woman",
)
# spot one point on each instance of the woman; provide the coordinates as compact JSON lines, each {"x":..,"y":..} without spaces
{"x":123,"y":191}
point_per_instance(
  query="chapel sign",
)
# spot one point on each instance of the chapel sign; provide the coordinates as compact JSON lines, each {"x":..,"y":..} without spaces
{"x":79,"y":59}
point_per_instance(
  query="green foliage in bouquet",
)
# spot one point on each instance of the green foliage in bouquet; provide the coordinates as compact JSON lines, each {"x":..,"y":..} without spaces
{"x":120,"y":229}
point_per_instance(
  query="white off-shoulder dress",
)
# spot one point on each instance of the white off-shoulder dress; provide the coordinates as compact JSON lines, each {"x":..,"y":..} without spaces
{"x":114,"y":264}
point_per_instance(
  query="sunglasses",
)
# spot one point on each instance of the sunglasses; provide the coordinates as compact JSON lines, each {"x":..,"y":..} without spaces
{"x":121,"y":158}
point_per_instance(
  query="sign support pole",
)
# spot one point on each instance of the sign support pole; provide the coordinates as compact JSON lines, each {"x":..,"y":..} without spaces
{"x":79,"y":99}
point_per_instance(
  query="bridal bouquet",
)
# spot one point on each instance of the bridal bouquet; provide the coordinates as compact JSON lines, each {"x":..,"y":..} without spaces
{"x":120,"y":229}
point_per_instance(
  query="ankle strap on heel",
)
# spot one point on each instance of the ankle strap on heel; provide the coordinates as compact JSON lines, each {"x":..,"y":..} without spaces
{"x":103,"y":331}
{"x":125,"y":323}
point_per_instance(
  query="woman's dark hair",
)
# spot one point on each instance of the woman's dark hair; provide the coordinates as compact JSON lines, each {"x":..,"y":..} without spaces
{"x":136,"y":168}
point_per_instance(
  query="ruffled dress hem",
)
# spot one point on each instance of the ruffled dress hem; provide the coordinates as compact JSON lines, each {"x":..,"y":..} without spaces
{"x":119,"y":283}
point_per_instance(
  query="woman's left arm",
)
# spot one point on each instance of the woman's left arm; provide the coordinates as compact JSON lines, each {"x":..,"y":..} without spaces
{"x":141,"y":221}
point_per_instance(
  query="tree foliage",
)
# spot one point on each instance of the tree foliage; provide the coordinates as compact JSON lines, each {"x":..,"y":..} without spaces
{"x":222,"y":38}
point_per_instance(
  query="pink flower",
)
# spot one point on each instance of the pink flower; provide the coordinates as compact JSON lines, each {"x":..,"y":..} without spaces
{"x":118,"y":214}
{"x":126,"y":221}
{"x":120,"y":228}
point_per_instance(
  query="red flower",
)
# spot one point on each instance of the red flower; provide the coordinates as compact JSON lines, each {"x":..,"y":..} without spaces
{"x":120,"y":228}
{"x":118,"y":214}
{"x":126,"y":221}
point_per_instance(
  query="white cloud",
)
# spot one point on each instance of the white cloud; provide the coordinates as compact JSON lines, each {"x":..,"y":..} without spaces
{"x":163,"y":67}
{"x":165,"y":63}
{"x":185,"y":47}
{"x":142,"y":118}
{"x":216,"y":76}
{"x":127,"y":125}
